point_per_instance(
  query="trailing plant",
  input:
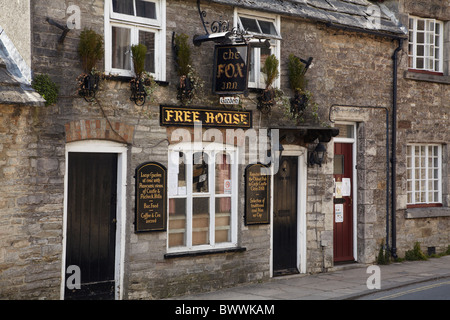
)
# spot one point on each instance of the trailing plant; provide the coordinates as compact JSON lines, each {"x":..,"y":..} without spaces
{"x":143,"y":84}
{"x":189,"y":84}
{"x":48,"y":89}
{"x":90,"y":50}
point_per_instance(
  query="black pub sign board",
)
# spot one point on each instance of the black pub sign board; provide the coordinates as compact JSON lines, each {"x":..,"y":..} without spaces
{"x":183,"y":116}
{"x":257,"y":195}
{"x":151,"y":197}
{"x":230,"y":69}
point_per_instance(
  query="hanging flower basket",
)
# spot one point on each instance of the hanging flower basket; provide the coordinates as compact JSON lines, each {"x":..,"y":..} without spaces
{"x":138,"y":91}
{"x":266,"y":100}
{"x":88,"y":86}
{"x":185,"y":89}
{"x":298,"y":102}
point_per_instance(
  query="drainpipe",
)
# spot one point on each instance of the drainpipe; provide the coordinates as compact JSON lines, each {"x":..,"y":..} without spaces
{"x":394,"y":149}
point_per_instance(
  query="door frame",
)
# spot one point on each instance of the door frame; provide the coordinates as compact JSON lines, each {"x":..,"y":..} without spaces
{"x":300,"y":153}
{"x":352,"y":141}
{"x":100,"y":146}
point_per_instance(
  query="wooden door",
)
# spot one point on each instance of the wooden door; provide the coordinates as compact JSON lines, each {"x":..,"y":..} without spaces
{"x":343,"y":202}
{"x":91,"y":223}
{"x":285,"y":217}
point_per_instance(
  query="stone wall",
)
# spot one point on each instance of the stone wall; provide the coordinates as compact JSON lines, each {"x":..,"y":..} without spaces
{"x":349,"y":69}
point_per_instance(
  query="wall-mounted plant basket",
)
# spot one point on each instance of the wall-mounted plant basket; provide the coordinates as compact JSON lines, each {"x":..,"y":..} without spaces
{"x":266,"y":100}
{"x":185,"y":89}
{"x":88,"y":86}
{"x":138,"y":92}
{"x":298,"y":103}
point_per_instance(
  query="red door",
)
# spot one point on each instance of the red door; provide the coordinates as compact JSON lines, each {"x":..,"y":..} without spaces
{"x":343,"y":202}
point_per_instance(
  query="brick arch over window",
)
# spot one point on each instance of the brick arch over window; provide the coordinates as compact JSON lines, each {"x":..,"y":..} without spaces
{"x":100,"y":130}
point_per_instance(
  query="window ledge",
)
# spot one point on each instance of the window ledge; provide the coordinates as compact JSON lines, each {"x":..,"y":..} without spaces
{"x":128,"y":79}
{"x":427,"y":212}
{"x":410,"y":75}
{"x":202,"y":252}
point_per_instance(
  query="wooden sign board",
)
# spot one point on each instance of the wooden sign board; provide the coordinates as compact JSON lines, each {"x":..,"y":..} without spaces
{"x":230,"y":69}
{"x":151,"y":197}
{"x":257,"y":195}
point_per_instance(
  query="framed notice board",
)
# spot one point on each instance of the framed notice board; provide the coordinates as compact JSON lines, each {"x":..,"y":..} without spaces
{"x":151,"y":197}
{"x":257,"y":195}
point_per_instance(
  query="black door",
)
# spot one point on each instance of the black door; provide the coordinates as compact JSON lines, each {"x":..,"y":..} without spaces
{"x":285,"y":217}
{"x":91,"y":223}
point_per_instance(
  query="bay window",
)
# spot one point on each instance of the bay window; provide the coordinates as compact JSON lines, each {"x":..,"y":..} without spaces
{"x":202,"y":198}
{"x":130,"y":22}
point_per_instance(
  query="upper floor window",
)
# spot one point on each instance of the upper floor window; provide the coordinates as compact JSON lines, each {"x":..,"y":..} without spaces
{"x":426,"y":44}
{"x":262,"y":27}
{"x":424,"y":174}
{"x":130,"y":22}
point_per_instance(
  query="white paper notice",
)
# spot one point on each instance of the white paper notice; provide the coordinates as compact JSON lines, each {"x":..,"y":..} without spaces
{"x":346,"y":187}
{"x":339,"y":213}
{"x":173,"y":184}
{"x":227,"y":187}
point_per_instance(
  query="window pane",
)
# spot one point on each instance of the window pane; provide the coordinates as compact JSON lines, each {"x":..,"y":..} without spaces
{"x":420,"y":24}
{"x":223,"y":220}
{"x":250,"y":25}
{"x":251,"y":69}
{"x":420,"y":37}
{"x":200,"y":172}
{"x":200,"y":221}
{"x":223,"y":174}
{"x":419,"y":63}
{"x":121,"y":58}
{"x":177,"y":222}
{"x":268,"y":27}
{"x":264,"y":54}
{"x":148,"y":39}
{"x":145,"y":9}
{"x":123,"y":6}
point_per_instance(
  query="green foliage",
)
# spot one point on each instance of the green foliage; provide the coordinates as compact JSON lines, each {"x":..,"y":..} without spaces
{"x":415,"y":254}
{"x":183,"y":54}
{"x":296,"y":69}
{"x":383,"y":255}
{"x":270,"y":69}
{"x":46,"y":88}
{"x":138,"y":53}
{"x":90,"y":49}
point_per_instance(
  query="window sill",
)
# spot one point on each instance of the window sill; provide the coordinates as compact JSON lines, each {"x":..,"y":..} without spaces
{"x":427,"y":77}
{"x":128,"y":79}
{"x":202,"y":252}
{"x":427,"y":212}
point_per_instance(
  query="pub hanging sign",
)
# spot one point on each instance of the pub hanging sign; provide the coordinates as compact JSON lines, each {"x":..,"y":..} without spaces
{"x":151,"y":197}
{"x":230,"y":69}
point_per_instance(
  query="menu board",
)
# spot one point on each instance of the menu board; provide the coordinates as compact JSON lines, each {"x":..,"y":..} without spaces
{"x":257,"y":195}
{"x":151,"y":197}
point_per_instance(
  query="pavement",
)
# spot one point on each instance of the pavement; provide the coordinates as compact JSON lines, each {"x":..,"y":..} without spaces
{"x":344,"y":282}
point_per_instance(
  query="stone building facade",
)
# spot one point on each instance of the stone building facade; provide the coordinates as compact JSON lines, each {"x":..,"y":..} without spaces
{"x":352,"y":43}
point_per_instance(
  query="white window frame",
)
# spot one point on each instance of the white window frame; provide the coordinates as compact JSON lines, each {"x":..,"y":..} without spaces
{"x":211,"y":149}
{"x":411,"y":180}
{"x":274,"y":41}
{"x":437,"y":63}
{"x":156,"y":26}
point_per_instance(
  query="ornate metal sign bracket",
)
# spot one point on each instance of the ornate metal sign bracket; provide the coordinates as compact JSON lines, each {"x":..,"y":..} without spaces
{"x":220,"y":31}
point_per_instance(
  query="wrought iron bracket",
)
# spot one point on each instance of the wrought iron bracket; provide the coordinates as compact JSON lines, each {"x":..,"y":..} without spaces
{"x":219,"y":31}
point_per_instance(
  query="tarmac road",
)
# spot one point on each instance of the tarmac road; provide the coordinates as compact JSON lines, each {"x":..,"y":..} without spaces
{"x":429,"y":290}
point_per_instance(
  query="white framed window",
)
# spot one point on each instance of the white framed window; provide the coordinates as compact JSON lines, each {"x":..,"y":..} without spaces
{"x":262,"y":26}
{"x":202,"y":197}
{"x":426,"y":44}
{"x":424,"y":174}
{"x":130,"y":22}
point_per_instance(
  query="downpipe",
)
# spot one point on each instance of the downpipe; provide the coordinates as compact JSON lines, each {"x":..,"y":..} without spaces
{"x":394,"y":150}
